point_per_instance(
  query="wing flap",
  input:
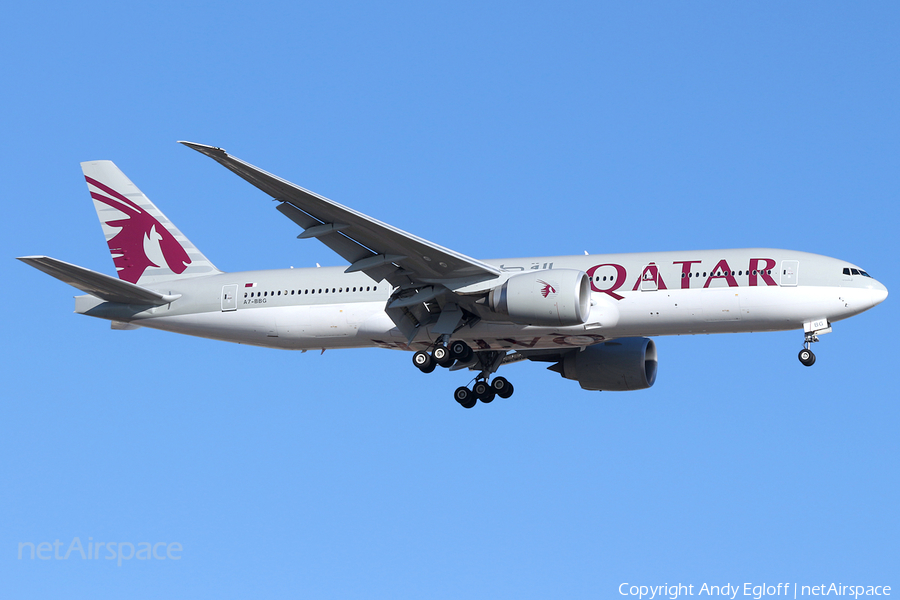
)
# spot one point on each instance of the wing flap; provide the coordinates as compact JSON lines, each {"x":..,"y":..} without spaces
{"x":97,"y":284}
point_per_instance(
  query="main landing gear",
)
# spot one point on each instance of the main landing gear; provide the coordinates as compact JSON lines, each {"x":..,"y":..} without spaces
{"x":459,"y":352}
{"x":484,"y":391}
{"x":443,"y":356}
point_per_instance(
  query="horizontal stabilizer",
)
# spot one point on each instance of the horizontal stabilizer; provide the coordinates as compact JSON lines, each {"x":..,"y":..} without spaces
{"x":97,"y":284}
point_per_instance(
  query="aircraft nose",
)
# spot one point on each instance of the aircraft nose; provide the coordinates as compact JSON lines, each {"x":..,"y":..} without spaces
{"x":879,"y":293}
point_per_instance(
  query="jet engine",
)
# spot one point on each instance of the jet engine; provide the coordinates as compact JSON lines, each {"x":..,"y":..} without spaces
{"x":619,"y":365}
{"x":553,"y":298}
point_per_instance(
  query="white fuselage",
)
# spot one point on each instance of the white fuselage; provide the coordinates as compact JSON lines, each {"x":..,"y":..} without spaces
{"x":645,"y":294}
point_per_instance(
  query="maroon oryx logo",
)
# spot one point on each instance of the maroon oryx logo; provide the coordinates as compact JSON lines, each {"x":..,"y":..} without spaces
{"x":547,"y":289}
{"x":139,"y":234}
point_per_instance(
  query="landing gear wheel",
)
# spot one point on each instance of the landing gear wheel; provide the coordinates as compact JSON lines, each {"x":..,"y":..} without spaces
{"x":465,"y":397}
{"x":460,"y":351}
{"x":481,"y":389}
{"x":487,"y":399}
{"x":441,"y":356}
{"x":423,"y":361}
{"x":502,"y":387}
{"x":807,"y":357}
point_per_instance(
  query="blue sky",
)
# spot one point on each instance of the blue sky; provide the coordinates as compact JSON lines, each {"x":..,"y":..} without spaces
{"x":496,"y":130}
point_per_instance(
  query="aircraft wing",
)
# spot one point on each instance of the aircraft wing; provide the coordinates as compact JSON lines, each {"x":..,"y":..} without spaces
{"x":378,"y":249}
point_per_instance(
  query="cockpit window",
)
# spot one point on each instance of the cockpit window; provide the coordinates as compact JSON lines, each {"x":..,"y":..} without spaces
{"x":850,"y":271}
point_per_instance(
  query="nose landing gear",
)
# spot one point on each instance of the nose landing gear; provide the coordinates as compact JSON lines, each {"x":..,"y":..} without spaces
{"x":806,"y":356}
{"x":811,"y":331}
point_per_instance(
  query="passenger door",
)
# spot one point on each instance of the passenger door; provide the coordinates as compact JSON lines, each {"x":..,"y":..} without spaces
{"x":229,"y":297}
{"x":789,"y":272}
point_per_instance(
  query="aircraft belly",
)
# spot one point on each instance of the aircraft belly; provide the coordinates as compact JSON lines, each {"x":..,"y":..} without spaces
{"x":242,"y":326}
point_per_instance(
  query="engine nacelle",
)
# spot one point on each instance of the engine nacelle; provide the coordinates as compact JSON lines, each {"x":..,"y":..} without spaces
{"x":552,"y":297}
{"x":620,"y":365}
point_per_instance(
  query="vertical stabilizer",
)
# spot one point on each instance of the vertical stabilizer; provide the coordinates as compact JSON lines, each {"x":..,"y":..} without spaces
{"x":146,"y":246}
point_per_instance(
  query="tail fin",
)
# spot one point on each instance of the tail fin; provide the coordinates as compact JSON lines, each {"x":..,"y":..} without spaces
{"x":146,"y":247}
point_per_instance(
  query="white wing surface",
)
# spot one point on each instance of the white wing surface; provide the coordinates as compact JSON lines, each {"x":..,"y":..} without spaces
{"x":375,"y":248}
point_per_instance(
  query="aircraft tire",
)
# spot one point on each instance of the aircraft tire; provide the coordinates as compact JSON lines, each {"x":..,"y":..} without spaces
{"x":502,"y":387}
{"x":460,"y":351}
{"x":807,"y":357}
{"x":481,"y":389}
{"x":465,"y":397}
{"x":423,"y":361}
{"x":441,"y":356}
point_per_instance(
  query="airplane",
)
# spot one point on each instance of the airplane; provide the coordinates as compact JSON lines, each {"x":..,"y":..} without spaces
{"x":591,"y":317}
